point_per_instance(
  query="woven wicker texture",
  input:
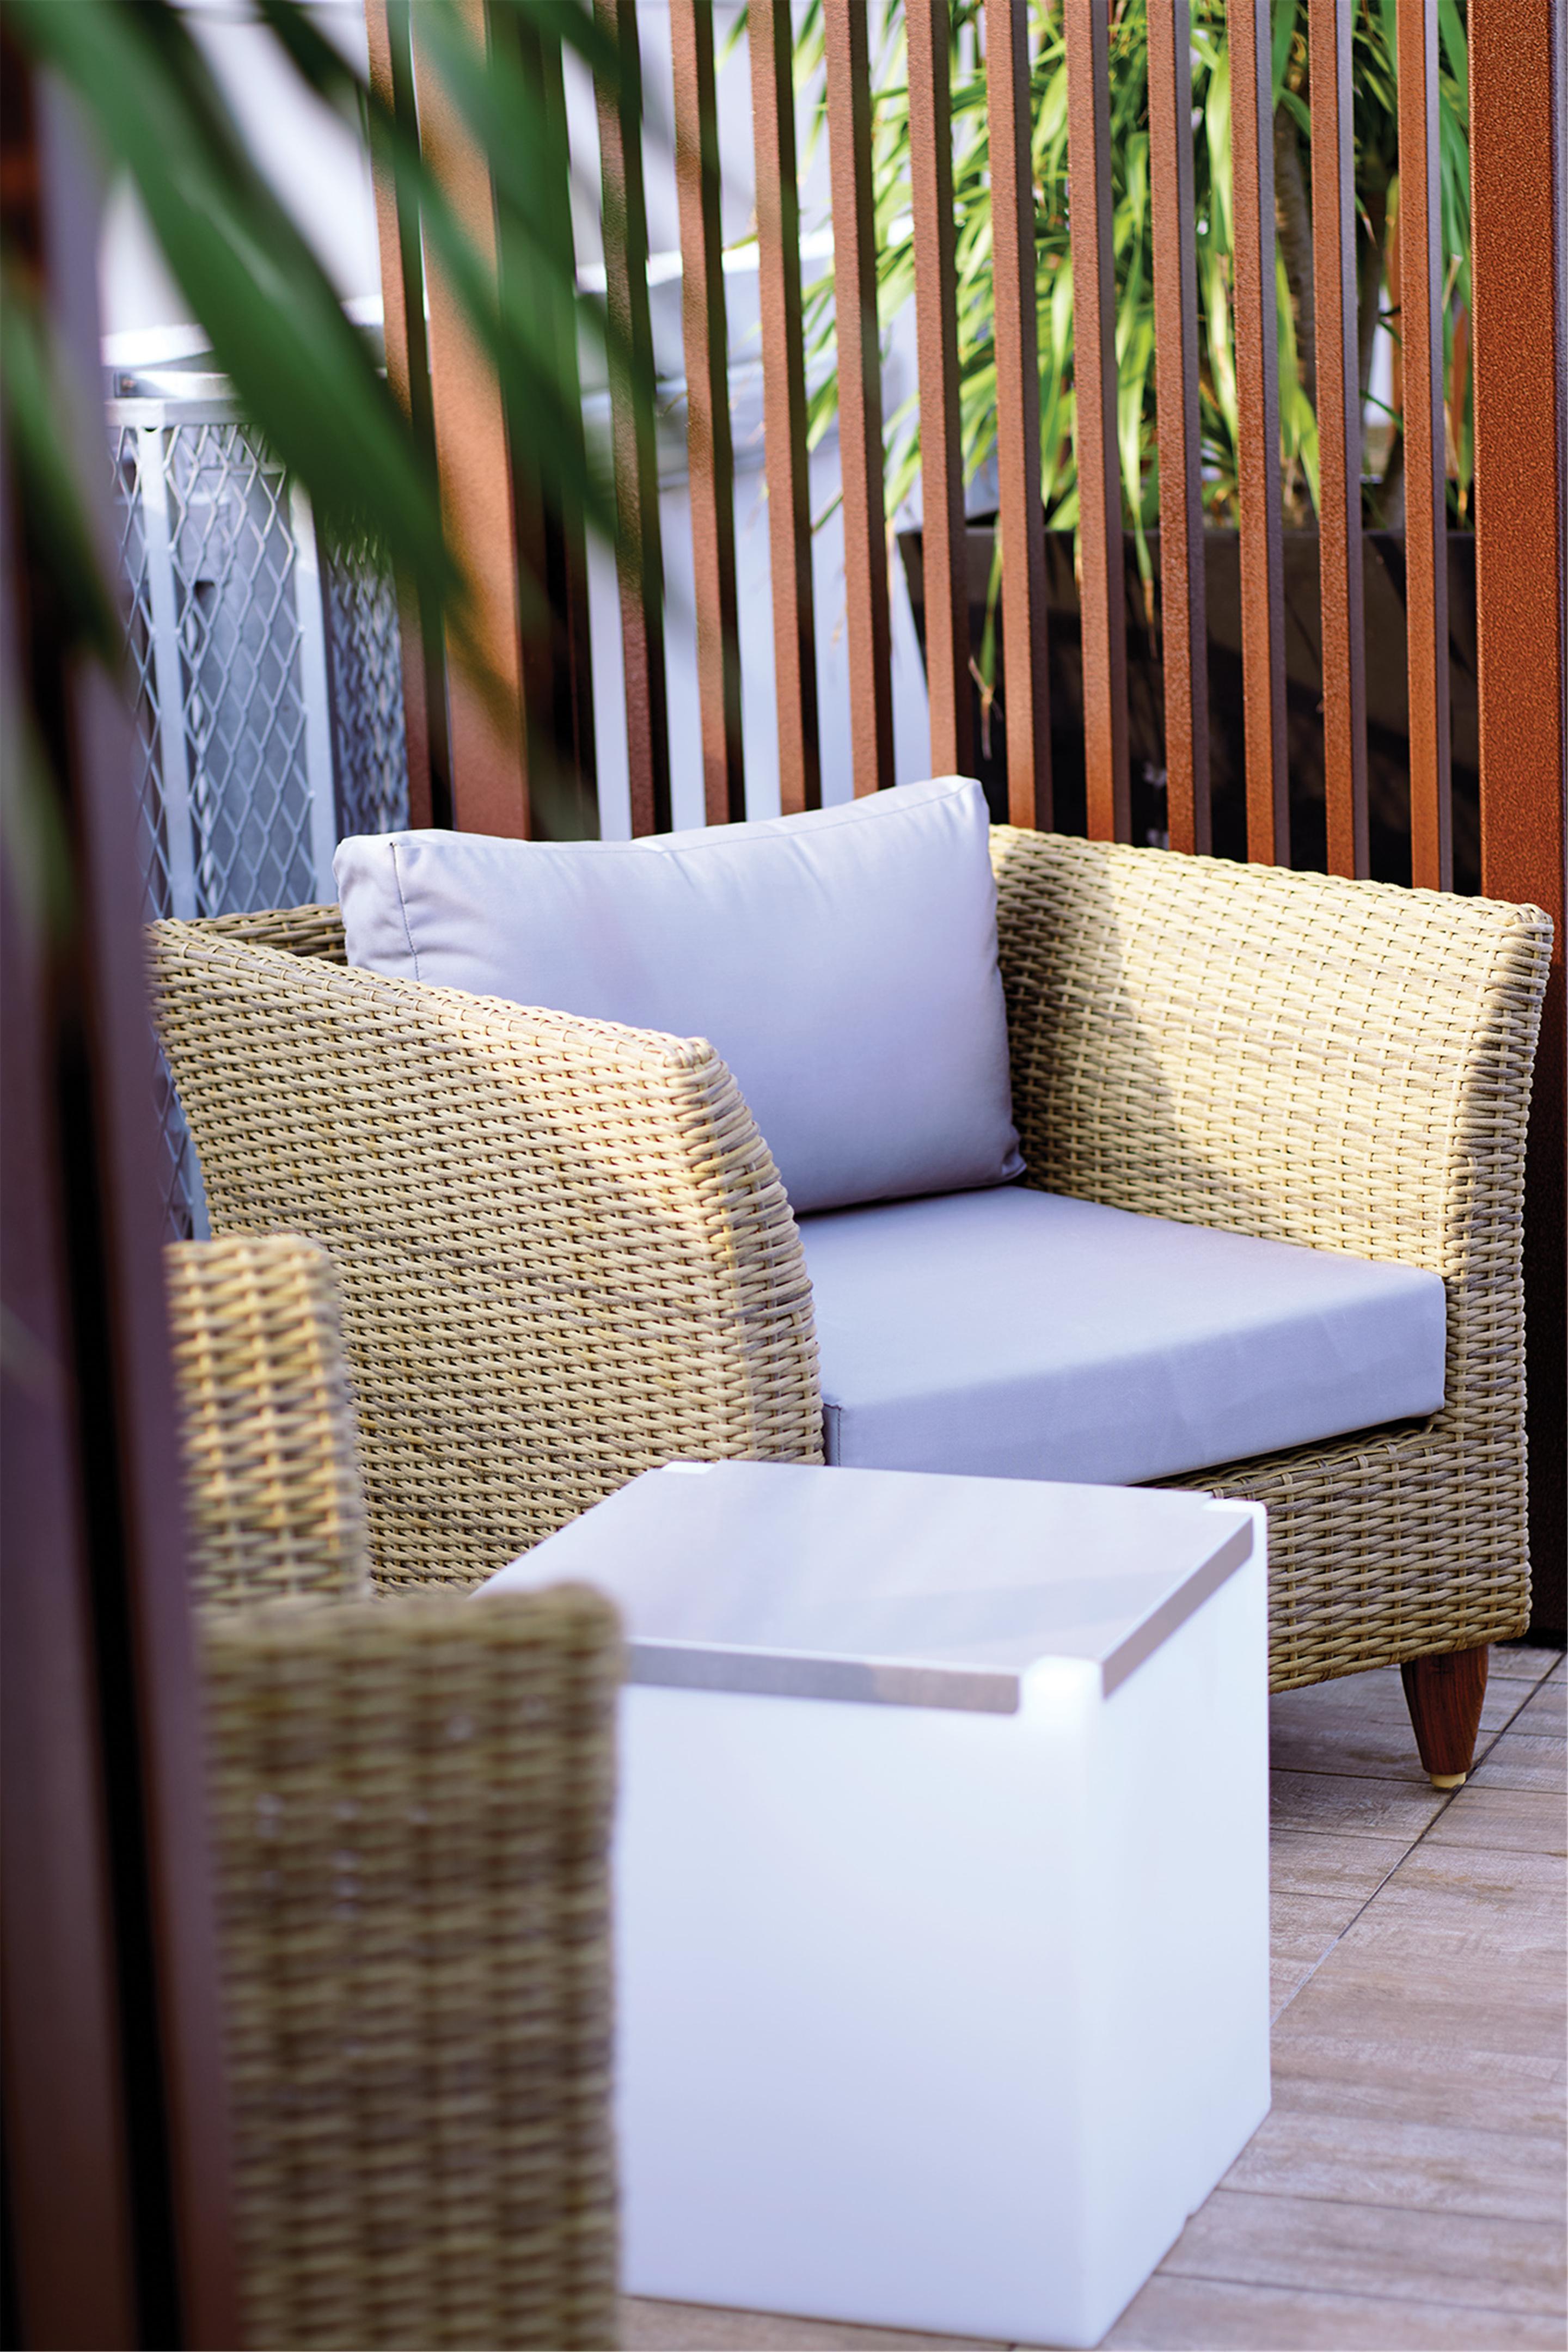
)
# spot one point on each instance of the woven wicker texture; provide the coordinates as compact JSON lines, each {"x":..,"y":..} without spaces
{"x":1341,"y":1063}
{"x":274,"y":1503}
{"x":411,"y":1808}
{"x":562,"y":1249}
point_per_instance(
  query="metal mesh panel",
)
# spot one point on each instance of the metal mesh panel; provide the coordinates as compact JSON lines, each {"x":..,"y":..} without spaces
{"x":152,"y":846}
{"x":239,"y":643}
{"x":370,"y":752}
{"x":184,"y":1211}
{"x":265,"y":685}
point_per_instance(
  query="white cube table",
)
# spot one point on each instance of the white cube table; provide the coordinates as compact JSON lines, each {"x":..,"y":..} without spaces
{"x":940,"y":1883}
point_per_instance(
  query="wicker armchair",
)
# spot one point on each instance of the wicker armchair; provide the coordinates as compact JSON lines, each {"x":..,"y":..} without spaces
{"x":411,"y":1807}
{"x":565,"y":1255}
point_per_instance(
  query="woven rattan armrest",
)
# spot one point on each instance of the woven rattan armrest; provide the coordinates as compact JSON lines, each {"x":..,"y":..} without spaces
{"x":274,"y":1504}
{"x":411,"y":1807}
{"x":562,"y":1249}
{"x":1345,"y":1065}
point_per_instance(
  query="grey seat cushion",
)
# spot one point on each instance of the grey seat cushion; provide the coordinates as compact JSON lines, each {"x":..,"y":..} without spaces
{"x":1017,"y":1334}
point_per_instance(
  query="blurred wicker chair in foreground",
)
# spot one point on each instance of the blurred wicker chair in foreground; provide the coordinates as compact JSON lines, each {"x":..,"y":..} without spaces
{"x":566,"y":1256}
{"x":411,"y":1809}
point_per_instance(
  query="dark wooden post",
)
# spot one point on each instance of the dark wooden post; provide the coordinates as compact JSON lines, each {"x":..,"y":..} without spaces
{"x":115,"y":2126}
{"x":1519,"y":165}
{"x":391,"y":48}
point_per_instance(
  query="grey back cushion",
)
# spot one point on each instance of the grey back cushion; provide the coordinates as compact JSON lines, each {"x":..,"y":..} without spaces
{"x":843,"y":963}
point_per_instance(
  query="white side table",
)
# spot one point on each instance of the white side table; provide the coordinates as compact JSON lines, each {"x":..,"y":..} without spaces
{"x":942,"y":1886}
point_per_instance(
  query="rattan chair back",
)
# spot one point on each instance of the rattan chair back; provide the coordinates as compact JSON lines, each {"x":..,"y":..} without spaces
{"x":411,"y":1809}
{"x":562,"y":1249}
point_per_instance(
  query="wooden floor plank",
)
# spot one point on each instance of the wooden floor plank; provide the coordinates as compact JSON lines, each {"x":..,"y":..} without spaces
{"x":648,"y":2326}
{"x":1321,"y":1862}
{"x":1519,"y":2095}
{"x":1521,"y":1761}
{"x":1352,"y":1806}
{"x":1413,"y":1992}
{"x":1524,"y":1662}
{"x":1305,"y":1927}
{"x":1517,"y":1900}
{"x":1502,"y":2264}
{"x":1361,"y":1723}
{"x":1547,"y":1707}
{"x":1310,"y":2151}
{"x":1524,"y":1821}
{"x":1179,"y":2315}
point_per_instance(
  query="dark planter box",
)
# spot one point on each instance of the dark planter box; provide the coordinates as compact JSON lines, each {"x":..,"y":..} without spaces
{"x":1388,"y":724}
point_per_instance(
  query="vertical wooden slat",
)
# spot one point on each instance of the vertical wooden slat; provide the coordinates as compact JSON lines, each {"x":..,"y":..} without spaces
{"x":102,"y":1400}
{"x":408,"y":375}
{"x":1103,"y":609}
{"x":1425,"y":466}
{"x":68,"y":2165}
{"x":486,"y":728}
{"x":711,"y":461}
{"x":1258,"y":454}
{"x":552,"y":540}
{"x":1183,"y":618}
{"x":783,"y":402}
{"x":1339,"y":437}
{"x":944,"y":553}
{"x":639,"y":559}
{"x":1519,"y":260}
{"x":1021,"y":522}
{"x":859,"y":392}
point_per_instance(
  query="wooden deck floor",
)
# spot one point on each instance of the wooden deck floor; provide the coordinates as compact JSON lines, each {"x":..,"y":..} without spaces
{"x":1407,"y":2189}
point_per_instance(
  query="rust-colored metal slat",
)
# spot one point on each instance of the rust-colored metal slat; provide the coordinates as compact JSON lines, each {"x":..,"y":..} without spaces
{"x":485,"y":727}
{"x":710,"y":454}
{"x":1519,"y":260}
{"x":552,"y":536}
{"x":1021,"y":523}
{"x":943,"y":548}
{"x":1258,"y":454}
{"x":783,"y":402}
{"x":859,"y":392}
{"x":390,"y":45}
{"x":1339,"y":437}
{"x":1103,"y":607}
{"x":640,"y":555}
{"x":1184,"y":614}
{"x":1426,"y":454}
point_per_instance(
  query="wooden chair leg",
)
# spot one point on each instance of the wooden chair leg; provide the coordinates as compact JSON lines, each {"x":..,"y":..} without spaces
{"x":1444,"y":1696}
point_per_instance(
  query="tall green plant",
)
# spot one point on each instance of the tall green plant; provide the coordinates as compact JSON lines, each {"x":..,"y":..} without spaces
{"x":1376,"y":145}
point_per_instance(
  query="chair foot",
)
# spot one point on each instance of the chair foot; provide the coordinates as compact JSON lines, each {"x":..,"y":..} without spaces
{"x":1444,"y":1696}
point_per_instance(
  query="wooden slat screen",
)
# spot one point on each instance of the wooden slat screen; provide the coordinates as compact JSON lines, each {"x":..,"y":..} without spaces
{"x":1257,"y":455}
{"x":639,"y":552}
{"x":707,"y":438}
{"x":391,"y":59}
{"x":489,"y":765}
{"x":1339,"y":438}
{"x":1018,"y":414}
{"x":1426,"y":467}
{"x":1104,"y":612}
{"x":1182,"y":590}
{"x":783,"y":402}
{"x":859,"y":392}
{"x":943,"y":550}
